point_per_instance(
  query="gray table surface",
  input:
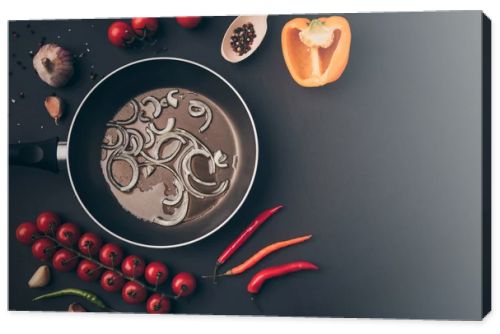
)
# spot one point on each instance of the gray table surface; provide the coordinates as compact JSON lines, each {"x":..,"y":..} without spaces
{"x":383,"y":167}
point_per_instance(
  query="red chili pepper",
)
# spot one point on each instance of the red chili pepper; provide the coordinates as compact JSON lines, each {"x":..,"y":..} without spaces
{"x":262,"y":276}
{"x":244,"y":236}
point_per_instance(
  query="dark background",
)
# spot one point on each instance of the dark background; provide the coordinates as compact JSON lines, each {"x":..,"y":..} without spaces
{"x":383,"y":167}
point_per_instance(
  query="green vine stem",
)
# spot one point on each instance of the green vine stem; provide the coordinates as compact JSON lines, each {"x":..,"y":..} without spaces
{"x":103,"y":266}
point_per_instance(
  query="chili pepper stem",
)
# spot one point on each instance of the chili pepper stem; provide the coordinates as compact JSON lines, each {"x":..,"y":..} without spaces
{"x":227,"y":273}
{"x":253,"y":299}
{"x":214,"y":274}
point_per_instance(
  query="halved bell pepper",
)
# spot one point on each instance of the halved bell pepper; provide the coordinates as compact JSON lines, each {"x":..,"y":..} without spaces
{"x":316,"y":51}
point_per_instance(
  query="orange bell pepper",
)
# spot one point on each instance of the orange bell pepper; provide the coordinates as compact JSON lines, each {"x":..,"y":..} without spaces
{"x":316,"y":51}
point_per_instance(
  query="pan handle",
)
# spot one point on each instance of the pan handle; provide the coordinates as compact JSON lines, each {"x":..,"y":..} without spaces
{"x":48,"y":154}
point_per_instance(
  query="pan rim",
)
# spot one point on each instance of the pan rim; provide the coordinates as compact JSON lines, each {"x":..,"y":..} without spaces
{"x":234,"y":211}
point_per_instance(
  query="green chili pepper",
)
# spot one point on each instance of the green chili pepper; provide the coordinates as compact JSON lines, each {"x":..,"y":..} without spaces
{"x":89,"y":296}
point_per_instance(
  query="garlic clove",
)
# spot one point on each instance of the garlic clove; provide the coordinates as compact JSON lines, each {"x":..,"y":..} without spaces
{"x":53,"y":64}
{"x":75,"y":307}
{"x":55,"y":107}
{"x":40,"y":278}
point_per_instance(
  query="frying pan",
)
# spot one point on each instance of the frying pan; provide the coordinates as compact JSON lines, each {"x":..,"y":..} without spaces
{"x":82,"y":149}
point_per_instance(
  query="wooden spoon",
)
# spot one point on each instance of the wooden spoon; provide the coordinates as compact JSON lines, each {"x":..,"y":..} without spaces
{"x":260,"y":25}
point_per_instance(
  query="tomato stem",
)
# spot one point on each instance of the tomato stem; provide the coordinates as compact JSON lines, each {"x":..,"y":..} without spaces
{"x":102,"y":265}
{"x":69,"y":260}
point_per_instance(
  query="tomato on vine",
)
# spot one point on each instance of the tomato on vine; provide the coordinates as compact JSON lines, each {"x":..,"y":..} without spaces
{"x":89,"y":244}
{"x":111,"y":255}
{"x":68,"y":234}
{"x":120,"y":34}
{"x":47,"y":222}
{"x":111,"y":281}
{"x":25,"y":233}
{"x":158,"y":304}
{"x":183,"y":284}
{"x":88,"y":271}
{"x":156,"y":273}
{"x":188,"y":22}
{"x":43,"y":249}
{"x":134,"y":293}
{"x":64,"y":260}
{"x":145,"y":26}
{"x":133,"y":266}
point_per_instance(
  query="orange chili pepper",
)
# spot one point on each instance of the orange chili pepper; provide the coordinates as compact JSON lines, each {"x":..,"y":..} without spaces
{"x":257,"y":257}
{"x":316,"y":51}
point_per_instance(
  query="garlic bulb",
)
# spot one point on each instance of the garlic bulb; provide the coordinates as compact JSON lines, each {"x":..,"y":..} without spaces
{"x":53,"y":64}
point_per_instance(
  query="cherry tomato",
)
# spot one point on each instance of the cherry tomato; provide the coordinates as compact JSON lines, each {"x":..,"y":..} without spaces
{"x":133,"y":266}
{"x":89,"y":244}
{"x":158,"y":304}
{"x":156,"y":273}
{"x":145,"y":26}
{"x":25,"y":233}
{"x":111,"y":281}
{"x":68,"y":234}
{"x":64,"y":260}
{"x":134,"y":293}
{"x":120,"y":34}
{"x":47,"y":222}
{"x":183,"y":284}
{"x":88,"y":270}
{"x":111,"y":255}
{"x":188,"y":22}
{"x":43,"y":249}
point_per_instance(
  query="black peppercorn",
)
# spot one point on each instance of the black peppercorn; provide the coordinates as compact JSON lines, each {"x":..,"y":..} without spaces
{"x":242,"y":38}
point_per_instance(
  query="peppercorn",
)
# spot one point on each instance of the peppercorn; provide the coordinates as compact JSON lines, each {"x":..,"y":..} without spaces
{"x":242,"y":38}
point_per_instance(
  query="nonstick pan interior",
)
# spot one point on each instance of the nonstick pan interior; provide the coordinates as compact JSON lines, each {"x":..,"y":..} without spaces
{"x":84,"y":147}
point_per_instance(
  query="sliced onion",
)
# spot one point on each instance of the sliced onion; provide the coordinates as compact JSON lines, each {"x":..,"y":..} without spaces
{"x":155,"y":149}
{"x":133,"y":164}
{"x":220,"y":159}
{"x":179,"y":214}
{"x":136,"y":141}
{"x":133,"y":118}
{"x":197,"y":109}
{"x":143,"y":118}
{"x":170,"y":125}
{"x":187,"y":175}
{"x":151,"y":138}
{"x":175,"y":199}
{"x":171,"y":100}
{"x":155,"y":103}
{"x":132,"y":144}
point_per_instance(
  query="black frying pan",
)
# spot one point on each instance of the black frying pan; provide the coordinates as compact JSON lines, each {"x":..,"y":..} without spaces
{"x":82,"y":151}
